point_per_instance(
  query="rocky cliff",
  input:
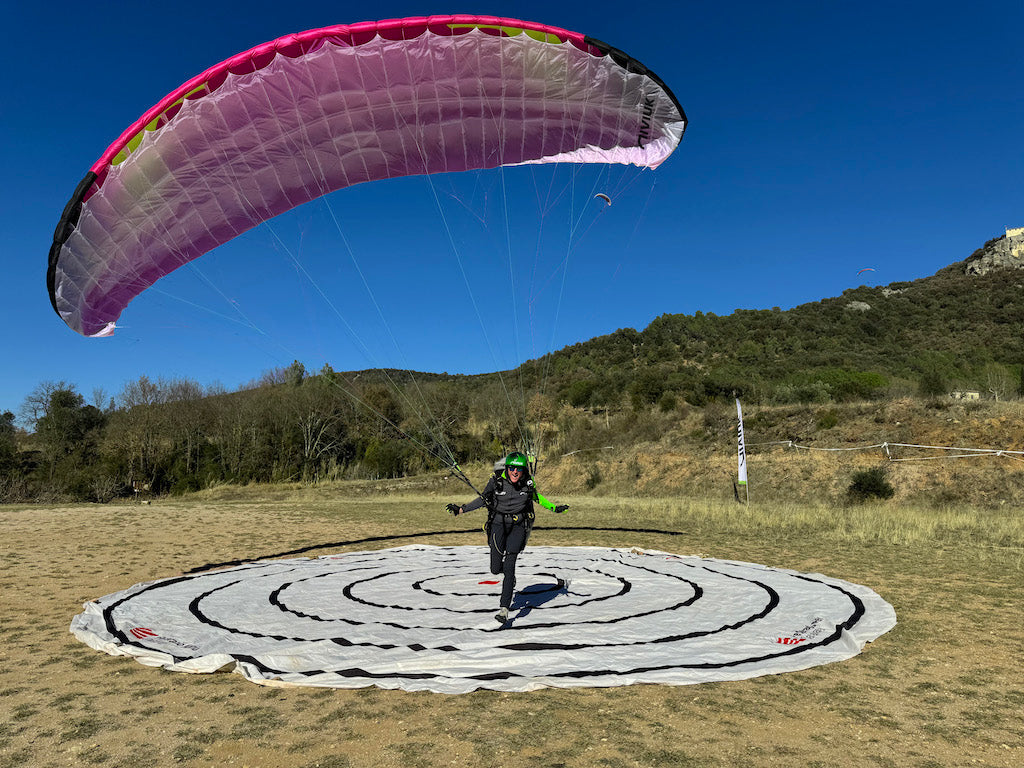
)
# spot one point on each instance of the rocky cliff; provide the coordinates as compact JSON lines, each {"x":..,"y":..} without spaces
{"x":1005,"y":251}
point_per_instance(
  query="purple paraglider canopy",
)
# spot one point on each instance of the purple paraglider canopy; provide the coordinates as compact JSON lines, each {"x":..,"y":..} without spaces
{"x":306,"y":114}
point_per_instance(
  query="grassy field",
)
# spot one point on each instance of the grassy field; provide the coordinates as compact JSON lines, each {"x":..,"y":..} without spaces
{"x":944,"y":688}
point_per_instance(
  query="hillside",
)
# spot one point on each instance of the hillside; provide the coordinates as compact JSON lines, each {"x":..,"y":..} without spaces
{"x":696,"y":455}
{"x":958,"y":329}
{"x":635,"y":412}
{"x":692,"y":454}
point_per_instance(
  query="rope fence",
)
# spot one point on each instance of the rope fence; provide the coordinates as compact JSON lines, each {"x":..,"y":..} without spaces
{"x":964,"y":453}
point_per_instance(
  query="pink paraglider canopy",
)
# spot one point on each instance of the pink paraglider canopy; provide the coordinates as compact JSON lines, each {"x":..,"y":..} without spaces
{"x":310,"y":113}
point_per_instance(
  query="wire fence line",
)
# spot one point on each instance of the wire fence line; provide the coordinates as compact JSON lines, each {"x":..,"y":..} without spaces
{"x":964,"y":453}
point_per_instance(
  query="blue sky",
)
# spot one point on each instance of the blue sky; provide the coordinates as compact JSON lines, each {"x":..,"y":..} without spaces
{"x":823,"y":138}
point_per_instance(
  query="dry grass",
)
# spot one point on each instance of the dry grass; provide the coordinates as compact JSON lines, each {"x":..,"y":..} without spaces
{"x":944,"y":688}
{"x":694,"y":454}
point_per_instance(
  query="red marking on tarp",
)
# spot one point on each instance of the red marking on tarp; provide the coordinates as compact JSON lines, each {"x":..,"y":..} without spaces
{"x":488,"y":582}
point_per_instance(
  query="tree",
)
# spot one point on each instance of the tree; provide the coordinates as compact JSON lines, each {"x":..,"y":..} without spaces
{"x":295,"y":374}
{"x":321,"y":414}
{"x":580,"y":392}
{"x":439,"y":417}
{"x":932,"y":383}
{"x":69,"y":433}
{"x":8,"y":442}
{"x":37,"y":401}
{"x":141,"y":392}
{"x":646,"y":388}
{"x":13,"y":480}
{"x":186,"y":416}
{"x":381,"y":412}
{"x":385,"y":458}
{"x":998,"y":381}
{"x":134,"y":432}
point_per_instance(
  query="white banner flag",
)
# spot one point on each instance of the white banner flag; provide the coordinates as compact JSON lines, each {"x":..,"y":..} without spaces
{"x":742,"y":448}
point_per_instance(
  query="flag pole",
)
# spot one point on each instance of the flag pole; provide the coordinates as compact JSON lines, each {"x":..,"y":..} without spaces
{"x":741,"y":451}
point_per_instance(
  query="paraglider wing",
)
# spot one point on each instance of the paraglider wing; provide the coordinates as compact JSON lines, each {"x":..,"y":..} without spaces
{"x":866,"y":269}
{"x":604,"y":197}
{"x":310,"y":113}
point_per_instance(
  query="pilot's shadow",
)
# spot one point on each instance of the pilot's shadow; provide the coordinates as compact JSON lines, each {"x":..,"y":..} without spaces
{"x":533,"y":596}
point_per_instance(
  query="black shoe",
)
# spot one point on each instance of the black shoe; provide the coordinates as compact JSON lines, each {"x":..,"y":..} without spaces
{"x":501,"y":616}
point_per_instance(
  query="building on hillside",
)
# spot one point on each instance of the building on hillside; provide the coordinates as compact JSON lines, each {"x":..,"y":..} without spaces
{"x":966,"y":394}
{"x":1016,"y":248}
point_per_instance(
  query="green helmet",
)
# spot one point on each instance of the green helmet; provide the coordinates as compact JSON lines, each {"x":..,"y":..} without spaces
{"x":517,"y":459}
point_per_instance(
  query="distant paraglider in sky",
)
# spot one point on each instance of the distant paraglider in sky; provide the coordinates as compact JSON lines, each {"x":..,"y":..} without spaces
{"x":866,"y":269}
{"x":604,"y":197}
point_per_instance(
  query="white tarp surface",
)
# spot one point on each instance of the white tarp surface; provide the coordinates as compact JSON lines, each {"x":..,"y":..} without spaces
{"x":421,"y":618}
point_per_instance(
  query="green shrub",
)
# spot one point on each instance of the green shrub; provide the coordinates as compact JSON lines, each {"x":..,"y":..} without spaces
{"x":870,"y":484}
{"x":827,"y":419}
{"x":580,"y":393}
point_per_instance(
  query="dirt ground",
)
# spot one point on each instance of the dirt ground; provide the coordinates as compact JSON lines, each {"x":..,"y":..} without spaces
{"x":944,"y":688}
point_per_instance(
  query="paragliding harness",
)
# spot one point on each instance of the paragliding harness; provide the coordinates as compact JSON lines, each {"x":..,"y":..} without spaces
{"x":490,"y":501}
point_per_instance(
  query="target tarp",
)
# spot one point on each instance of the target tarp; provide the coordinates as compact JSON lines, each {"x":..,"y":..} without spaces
{"x":422,"y":618}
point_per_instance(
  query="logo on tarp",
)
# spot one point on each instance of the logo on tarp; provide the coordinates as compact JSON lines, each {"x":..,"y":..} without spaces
{"x":790,"y":640}
{"x":811,"y":631}
{"x":141,"y":632}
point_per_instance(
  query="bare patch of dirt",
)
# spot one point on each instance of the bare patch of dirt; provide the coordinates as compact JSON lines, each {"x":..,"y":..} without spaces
{"x":942,"y":689}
